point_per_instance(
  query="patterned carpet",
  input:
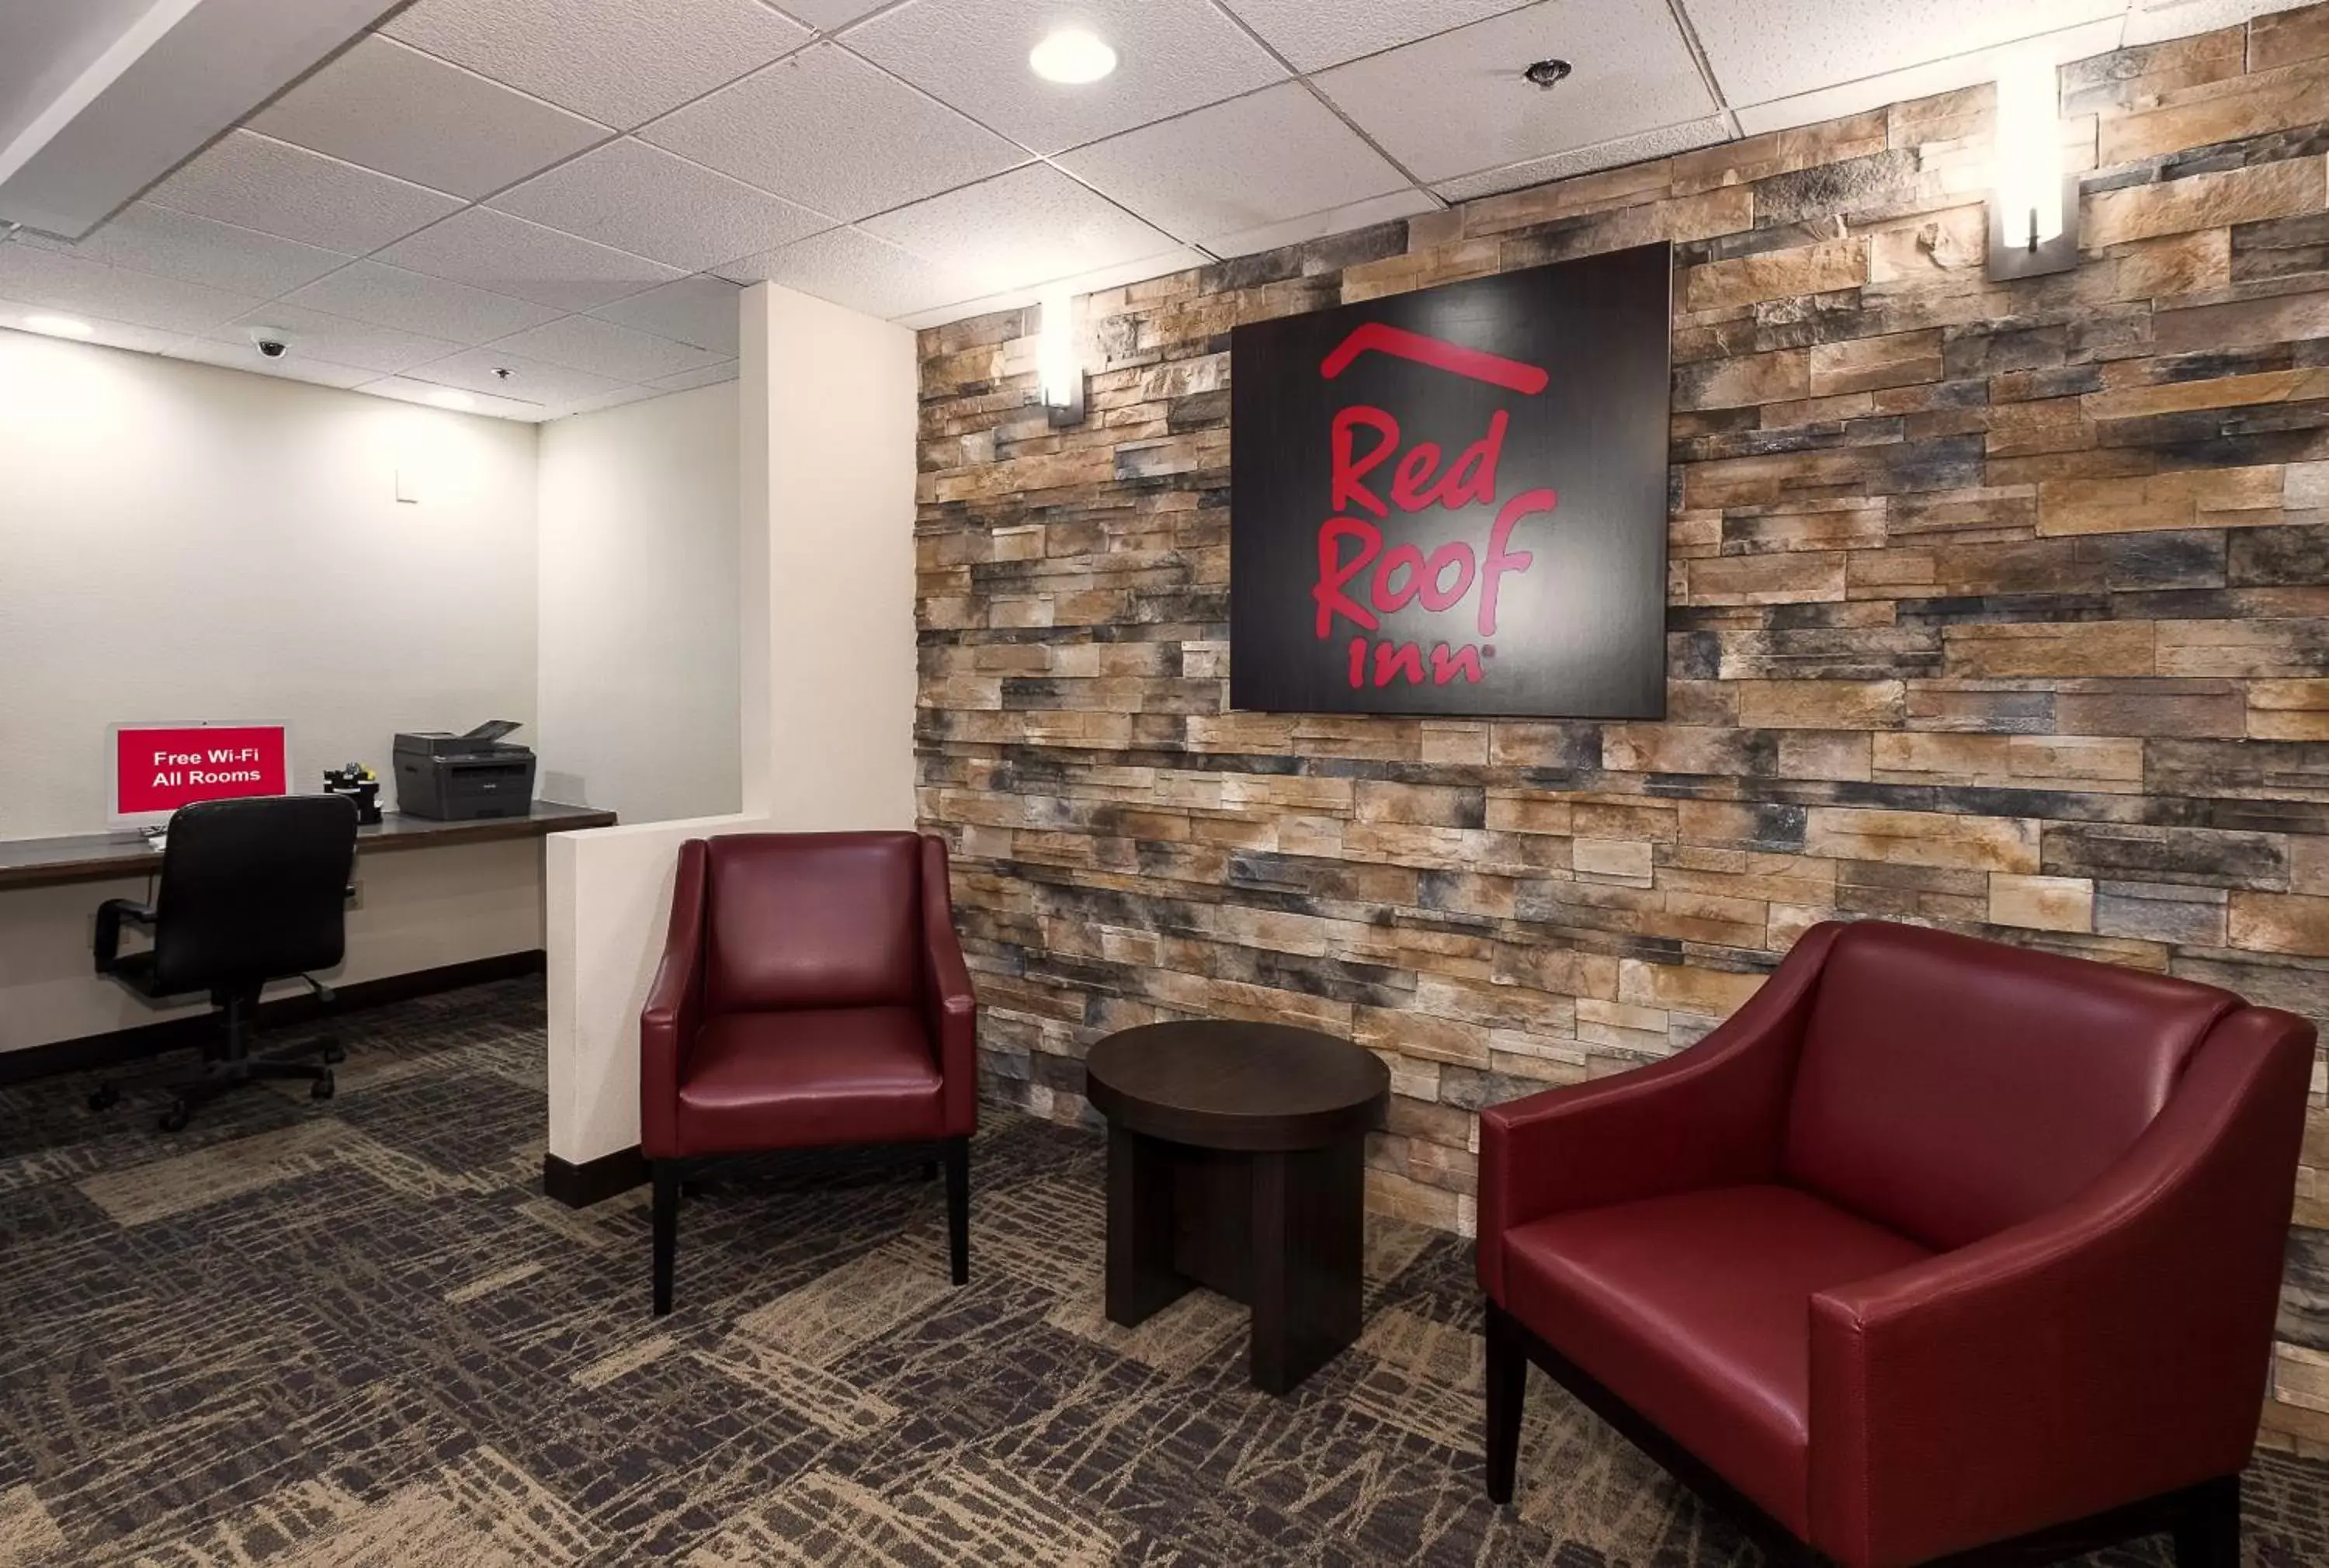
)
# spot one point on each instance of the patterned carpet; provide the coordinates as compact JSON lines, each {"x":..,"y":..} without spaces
{"x":354,"y":1335}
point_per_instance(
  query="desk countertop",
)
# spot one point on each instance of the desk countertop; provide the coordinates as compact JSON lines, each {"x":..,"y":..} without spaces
{"x":98,"y":857}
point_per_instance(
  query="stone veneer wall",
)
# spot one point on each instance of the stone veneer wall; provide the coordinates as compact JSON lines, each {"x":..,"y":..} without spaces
{"x":2000,"y":607}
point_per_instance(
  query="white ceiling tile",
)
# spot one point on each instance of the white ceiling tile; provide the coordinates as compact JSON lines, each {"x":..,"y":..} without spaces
{"x":1762,"y":50}
{"x":1661,"y":142}
{"x":825,"y":129}
{"x":111,"y":335}
{"x":74,"y":286}
{"x":179,"y":245}
{"x":1179,"y":259}
{"x":584,"y":342}
{"x":709,"y":376}
{"x":1172,"y":56}
{"x":1923,"y":80}
{"x":702,"y":310}
{"x":405,"y":390}
{"x":391,"y":297}
{"x":1117,"y":274}
{"x":1456,"y":104}
{"x":1020,"y":229}
{"x":652,"y":203}
{"x":333,"y":338}
{"x":488,"y":249}
{"x":852,"y":268}
{"x":410,"y":115}
{"x":614,"y":399}
{"x":258,"y":183}
{"x":622,"y":62}
{"x":1406,"y":204}
{"x":1267,"y":156}
{"x":1317,"y":34}
{"x":290,"y":368}
{"x":830,"y":15}
{"x":530,"y":380}
{"x":945,"y":314}
{"x":2156,"y":21}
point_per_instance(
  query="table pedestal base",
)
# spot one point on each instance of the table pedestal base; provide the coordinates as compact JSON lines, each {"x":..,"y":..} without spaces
{"x":1283,"y":1232}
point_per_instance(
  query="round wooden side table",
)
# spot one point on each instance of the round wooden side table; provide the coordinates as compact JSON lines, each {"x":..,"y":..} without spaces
{"x":1237,"y":1160}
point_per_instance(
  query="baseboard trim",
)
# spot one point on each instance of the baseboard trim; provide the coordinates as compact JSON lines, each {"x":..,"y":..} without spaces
{"x":593,"y":1181}
{"x":134,"y":1044}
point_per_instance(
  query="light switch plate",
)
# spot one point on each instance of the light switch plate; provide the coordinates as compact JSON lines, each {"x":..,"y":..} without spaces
{"x":408,"y":486}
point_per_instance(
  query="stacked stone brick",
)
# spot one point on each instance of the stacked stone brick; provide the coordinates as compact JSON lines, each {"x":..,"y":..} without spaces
{"x":1999,"y":608}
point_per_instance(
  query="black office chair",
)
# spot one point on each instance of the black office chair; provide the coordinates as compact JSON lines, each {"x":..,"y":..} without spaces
{"x":252,"y":891}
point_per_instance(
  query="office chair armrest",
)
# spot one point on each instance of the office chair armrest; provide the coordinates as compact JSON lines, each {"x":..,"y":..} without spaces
{"x":109,"y":917}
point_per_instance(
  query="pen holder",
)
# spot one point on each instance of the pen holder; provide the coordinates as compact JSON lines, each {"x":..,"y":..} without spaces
{"x":357,"y":782}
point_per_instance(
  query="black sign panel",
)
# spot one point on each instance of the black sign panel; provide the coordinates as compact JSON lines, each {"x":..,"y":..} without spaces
{"x":1454,"y":502}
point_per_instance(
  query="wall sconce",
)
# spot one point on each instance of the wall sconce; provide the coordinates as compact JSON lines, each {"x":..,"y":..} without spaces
{"x":1056,"y":370}
{"x":2033,"y":209}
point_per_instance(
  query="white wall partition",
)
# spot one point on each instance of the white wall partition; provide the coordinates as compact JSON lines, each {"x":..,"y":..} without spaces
{"x":839,"y":655}
{"x":826,"y":609}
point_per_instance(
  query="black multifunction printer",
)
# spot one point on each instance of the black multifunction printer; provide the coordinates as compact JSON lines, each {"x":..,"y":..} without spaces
{"x":464,"y":778}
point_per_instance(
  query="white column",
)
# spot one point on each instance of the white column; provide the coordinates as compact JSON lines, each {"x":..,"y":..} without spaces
{"x":839,"y":668}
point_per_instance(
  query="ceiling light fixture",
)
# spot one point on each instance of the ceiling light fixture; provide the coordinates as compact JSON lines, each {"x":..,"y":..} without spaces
{"x":451,"y":399}
{"x":63,"y":326}
{"x":1071,"y":56}
{"x":2034,"y":210}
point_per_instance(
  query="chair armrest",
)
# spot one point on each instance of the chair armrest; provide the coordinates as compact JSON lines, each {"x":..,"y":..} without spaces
{"x":949,"y":1008}
{"x":109,"y":917}
{"x":1708,"y":1116}
{"x":675,"y":1008}
{"x":2107,"y":1351}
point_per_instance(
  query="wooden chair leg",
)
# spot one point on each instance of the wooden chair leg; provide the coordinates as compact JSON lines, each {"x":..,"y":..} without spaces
{"x":957,"y":1184}
{"x":2208,"y":1532}
{"x":1507,"y":1386}
{"x":666,"y":1231}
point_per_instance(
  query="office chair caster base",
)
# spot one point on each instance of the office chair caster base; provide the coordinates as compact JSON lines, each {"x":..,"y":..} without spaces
{"x":105,"y":1098}
{"x":322,"y":1088}
{"x":175,"y":1118}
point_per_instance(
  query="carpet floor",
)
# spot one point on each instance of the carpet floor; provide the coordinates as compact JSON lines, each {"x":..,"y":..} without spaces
{"x":353,"y":1334}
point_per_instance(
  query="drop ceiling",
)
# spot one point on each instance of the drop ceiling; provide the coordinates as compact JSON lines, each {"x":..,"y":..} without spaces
{"x":549,"y":205}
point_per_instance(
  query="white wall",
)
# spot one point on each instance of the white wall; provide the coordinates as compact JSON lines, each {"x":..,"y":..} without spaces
{"x":834,"y":648}
{"x":826,"y":546}
{"x":639,"y":694}
{"x":180,"y":541}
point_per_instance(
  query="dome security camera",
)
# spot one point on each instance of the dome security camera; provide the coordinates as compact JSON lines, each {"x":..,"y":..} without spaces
{"x":272,"y":343}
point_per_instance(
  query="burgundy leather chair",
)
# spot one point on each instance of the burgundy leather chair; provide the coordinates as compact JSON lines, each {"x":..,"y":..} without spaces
{"x":1934,"y":1246}
{"x":812,"y":993}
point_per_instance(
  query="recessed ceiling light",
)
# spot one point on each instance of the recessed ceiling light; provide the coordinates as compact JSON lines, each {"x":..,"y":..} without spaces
{"x":451,"y":399}
{"x":63,"y":326}
{"x":1072,"y":56}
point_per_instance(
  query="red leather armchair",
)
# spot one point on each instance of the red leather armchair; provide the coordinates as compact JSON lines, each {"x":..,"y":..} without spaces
{"x":812,"y":993}
{"x":1934,"y":1245}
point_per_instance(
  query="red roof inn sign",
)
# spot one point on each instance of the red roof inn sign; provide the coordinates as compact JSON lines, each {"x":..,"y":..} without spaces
{"x":1454,"y":502}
